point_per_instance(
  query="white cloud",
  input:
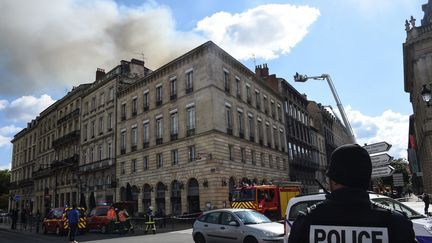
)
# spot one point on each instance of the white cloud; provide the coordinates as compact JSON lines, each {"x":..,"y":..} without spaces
{"x":265,"y":31}
{"x":61,"y":43}
{"x":390,"y":126}
{"x":26,"y":108}
{"x":9,"y":130}
{"x":3,"y":104}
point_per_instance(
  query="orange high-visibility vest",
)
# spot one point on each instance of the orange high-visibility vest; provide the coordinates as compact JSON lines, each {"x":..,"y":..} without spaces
{"x":122,"y":216}
{"x":111,"y":215}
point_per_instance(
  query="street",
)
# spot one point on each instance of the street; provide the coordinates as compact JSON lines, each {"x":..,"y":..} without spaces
{"x":182,"y":236}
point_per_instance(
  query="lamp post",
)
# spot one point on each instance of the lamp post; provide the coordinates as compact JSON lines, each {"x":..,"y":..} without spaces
{"x":426,"y":94}
{"x":303,"y":78}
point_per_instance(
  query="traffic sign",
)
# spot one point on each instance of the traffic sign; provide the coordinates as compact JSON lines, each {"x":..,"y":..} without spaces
{"x":380,"y":160}
{"x":17,"y":198}
{"x":382,"y":171}
{"x":398,"y":179}
{"x":377,"y":147}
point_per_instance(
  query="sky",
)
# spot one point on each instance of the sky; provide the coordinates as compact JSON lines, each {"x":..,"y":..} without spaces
{"x":47,"y":47}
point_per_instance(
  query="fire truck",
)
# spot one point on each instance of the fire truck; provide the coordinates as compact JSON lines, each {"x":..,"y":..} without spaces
{"x":270,"y":200}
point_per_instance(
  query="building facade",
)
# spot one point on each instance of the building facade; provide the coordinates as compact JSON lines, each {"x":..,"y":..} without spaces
{"x":417,"y":52}
{"x":193,"y":129}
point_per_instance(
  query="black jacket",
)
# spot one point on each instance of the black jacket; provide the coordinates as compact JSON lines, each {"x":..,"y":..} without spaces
{"x":347,"y":215}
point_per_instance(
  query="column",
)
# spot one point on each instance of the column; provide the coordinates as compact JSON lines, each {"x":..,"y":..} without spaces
{"x":140,"y":203}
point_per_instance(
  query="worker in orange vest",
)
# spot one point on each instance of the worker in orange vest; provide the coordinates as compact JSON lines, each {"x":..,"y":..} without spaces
{"x":122,"y":219}
{"x":112,"y":217}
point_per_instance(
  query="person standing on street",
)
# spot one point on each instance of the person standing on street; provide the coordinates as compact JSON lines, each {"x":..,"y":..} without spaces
{"x":347,"y":213}
{"x":73,"y":218}
{"x":426,"y":200}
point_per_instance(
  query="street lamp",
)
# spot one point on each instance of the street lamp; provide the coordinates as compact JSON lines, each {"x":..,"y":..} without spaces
{"x":426,"y":94}
{"x":303,"y":78}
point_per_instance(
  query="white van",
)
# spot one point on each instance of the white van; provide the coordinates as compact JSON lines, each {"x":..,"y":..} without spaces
{"x":422,"y":225}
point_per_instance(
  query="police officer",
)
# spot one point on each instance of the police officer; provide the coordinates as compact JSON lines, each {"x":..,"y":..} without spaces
{"x":348,"y":215}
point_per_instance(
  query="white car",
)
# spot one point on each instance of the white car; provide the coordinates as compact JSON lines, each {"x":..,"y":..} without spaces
{"x":422,"y":225}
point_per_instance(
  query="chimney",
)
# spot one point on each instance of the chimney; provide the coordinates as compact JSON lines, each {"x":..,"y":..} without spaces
{"x":258,"y":71}
{"x":264,"y":70}
{"x":261,"y":71}
{"x":100,"y":73}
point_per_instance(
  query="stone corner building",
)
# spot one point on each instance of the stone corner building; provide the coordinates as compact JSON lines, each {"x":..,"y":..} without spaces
{"x":417,"y":53}
{"x":179,"y":137}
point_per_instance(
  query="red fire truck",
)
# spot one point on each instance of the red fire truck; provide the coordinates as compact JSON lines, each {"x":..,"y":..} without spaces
{"x":270,"y":200}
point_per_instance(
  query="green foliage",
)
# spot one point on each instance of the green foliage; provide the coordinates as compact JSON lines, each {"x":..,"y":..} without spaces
{"x":401,"y":166}
{"x":4,"y":188}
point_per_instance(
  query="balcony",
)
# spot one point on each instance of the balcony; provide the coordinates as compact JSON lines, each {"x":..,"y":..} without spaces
{"x":174,"y":136}
{"x":173,"y":96}
{"x":158,"y":102}
{"x":146,"y":144}
{"x":69,"y":116}
{"x":71,"y":161}
{"x":241,"y":134}
{"x":146,"y":108}
{"x":133,"y":148}
{"x":42,"y":172}
{"x":98,"y":165}
{"x":190,"y":132}
{"x":189,"y":90}
{"x":159,"y":141}
{"x":66,"y":139}
{"x":123,"y":151}
{"x":229,"y":131}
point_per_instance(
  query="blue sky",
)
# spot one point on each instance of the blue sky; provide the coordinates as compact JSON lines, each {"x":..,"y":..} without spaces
{"x":52,"y":46}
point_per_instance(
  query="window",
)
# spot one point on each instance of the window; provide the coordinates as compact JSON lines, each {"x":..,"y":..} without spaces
{"x":268,"y":130}
{"x":270,"y":161}
{"x":189,"y":82}
{"x":191,"y":153}
{"x":109,"y":121}
{"x":123,"y":169}
{"x":230,"y":152}
{"x":277,"y":163}
{"x":240,"y":124}
{"x":159,"y":95}
{"x":123,"y":112}
{"x":190,"y":123}
{"x":243,"y":155}
{"x":265,"y":104}
{"x":174,"y":125}
{"x":282,"y":140}
{"x":262,"y":160}
{"x":253,"y":157}
{"x":133,"y":166}
{"x":260,"y":132}
{"x":93,"y":129}
{"x":85,"y":133}
{"x":85,"y":156}
{"x":134,"y":138}
{"x":145,"y":162}
{"x":159,"y":130}
{"x":146,"y":135}
{"x":101,"y":99}
{"x":276,"y":139}
{"x":109,"y":150}
{"x":111,"y":93}
{"x":100,"y":152}
{"x":226,"y":81}
{"x":100,"y":125}
{"x":146,"y":101}
{"x":123,"y":142}
{"x":238,"y":88}
{"x":228,"y":116}
{"x":173,"y":88}
{"x":251,"y":128}
{"x":257,"y":99}
{"x":273,"y":112}
{"x":134,"y":106}
{"x":248,"y":94}
{"x":159,"y":160}
{"x":93,"y":103}
{"x":279,"y":112}
{"x":174,"y":156}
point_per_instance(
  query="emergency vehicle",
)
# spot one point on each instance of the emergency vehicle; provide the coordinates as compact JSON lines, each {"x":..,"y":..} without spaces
{"x":270,"y":200}
{"x":56,"y":221}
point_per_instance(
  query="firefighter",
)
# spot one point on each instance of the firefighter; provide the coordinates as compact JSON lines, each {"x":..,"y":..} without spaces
{"x":150,"y":224}
{"x":122,"y":218}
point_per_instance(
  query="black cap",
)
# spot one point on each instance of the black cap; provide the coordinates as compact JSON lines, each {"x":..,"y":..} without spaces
{"x":350,"y":165}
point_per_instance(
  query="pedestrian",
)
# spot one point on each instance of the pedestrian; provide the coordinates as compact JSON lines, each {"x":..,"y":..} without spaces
{"x":14,"y":216}
{"x":112,"y":217}
{"x":23,"y":219}
{"x":73,"y":218}
{"x":347,"y":213}
{"x":426,"y":200}
{"x":38,"y":218}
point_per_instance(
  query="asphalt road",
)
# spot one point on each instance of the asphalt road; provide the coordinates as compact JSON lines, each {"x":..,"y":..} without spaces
{"x":18,"y":236}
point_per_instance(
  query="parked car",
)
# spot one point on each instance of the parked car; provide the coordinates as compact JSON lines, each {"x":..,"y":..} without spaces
{"x":56,"y":221}
{"x":421,"y":224}
{"x":236,"y":225}
{"x":98,"y":220}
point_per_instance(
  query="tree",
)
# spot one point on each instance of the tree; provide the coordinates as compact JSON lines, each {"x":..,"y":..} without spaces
{"x":4,"y":188}
{"x":401,"y":166}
